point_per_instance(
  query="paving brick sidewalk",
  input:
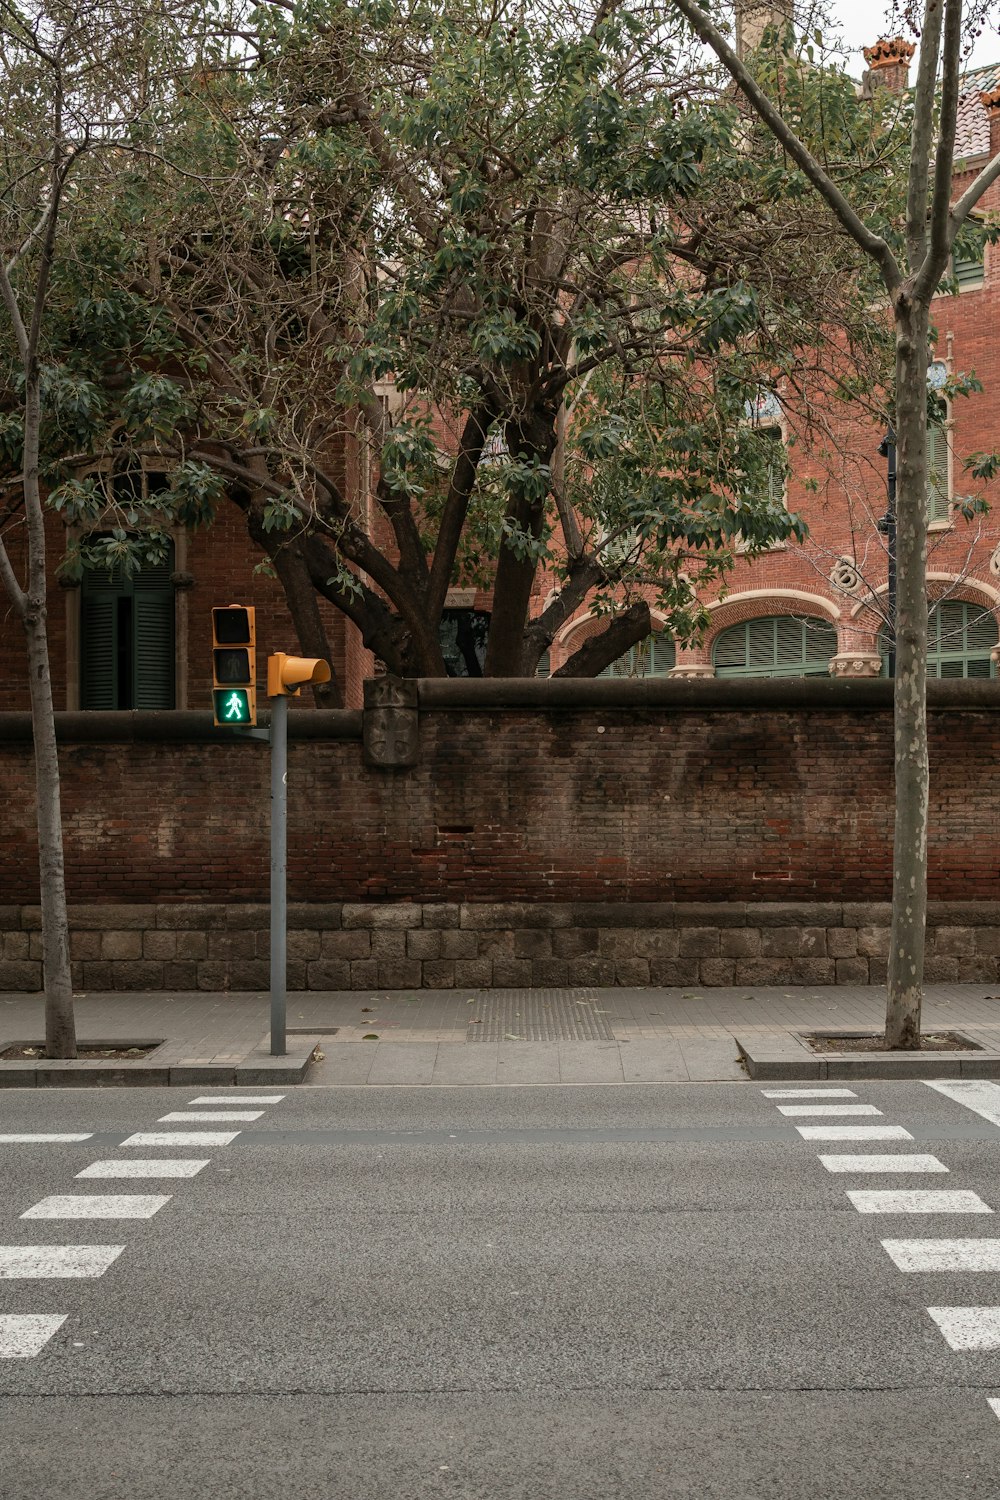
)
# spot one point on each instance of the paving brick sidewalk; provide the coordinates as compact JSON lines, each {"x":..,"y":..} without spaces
{"x":503,"y":1036}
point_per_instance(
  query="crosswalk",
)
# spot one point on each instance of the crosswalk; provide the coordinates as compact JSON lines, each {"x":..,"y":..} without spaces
{"x":968,"y":1328}
{"x":23,"y":1335}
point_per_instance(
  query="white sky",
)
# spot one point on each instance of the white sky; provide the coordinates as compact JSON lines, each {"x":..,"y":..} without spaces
{"x":863,"y":23}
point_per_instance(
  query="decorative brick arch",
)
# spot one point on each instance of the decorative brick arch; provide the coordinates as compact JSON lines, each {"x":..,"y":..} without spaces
{"x":756,"y":604}
{"x":939,"y":586}
{"x":971,"y":590}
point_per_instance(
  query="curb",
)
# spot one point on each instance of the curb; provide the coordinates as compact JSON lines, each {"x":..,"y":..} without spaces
{"x":255,"y":1068}
{"x":788,"y":1058}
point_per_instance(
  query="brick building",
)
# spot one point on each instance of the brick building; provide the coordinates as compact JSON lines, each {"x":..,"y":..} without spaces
{"x":144,"y":643}
{"x":802,"y":610}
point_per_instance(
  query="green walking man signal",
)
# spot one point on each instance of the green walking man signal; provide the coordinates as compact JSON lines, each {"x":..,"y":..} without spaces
{"x":234,"y":665}
{"x":235,"y":707}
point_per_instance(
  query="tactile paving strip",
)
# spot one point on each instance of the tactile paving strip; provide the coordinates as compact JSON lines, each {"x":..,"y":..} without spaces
{"x":539,"y":1016}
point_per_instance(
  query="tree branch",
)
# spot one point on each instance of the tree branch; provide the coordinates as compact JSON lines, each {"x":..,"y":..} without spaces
{"x":872,"y":244}
{"x":599,"y":651}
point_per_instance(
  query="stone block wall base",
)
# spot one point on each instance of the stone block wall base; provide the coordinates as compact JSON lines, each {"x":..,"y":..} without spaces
{"x":441,"y":945}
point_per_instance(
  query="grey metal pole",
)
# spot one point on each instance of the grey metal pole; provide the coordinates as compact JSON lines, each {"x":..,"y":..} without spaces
{"x":887,"y":526}
{"x":279,"y":848}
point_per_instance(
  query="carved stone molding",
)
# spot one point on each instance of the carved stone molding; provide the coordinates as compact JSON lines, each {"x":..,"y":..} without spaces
{"x":390,"y":732}
{"x":692,"y":669}
{"x":856,"y":664}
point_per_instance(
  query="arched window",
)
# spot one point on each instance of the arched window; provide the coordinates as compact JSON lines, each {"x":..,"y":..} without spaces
{"x":127,"y":636}
{"x":652,"y":657}
{"x":776,"y":646}
{"x":960,"y":637}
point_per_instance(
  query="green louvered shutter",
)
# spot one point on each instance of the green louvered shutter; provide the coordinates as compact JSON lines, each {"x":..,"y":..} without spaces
{"x":968,"y":273}
{"x":761,"y":647}
{"x":153,"y":649}
{"x":776,"y":646}
{"x":544,"y":668}
{"x":99,"y":650}
{"x":153,"y":635}
{"x":653,"y":657}
{"x":960,"y":637}
{"x":937,"y":473}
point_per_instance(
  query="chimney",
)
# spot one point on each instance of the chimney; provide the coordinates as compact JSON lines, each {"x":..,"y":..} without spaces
{"x":991,"y":104}
{"x":889,"y":61}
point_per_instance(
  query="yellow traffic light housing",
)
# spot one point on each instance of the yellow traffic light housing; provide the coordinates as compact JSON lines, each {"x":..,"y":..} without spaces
{"x":234,"y":665}
{"x":287,"y":674}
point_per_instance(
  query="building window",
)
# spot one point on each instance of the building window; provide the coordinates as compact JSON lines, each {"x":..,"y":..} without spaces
{"x":463,"y":636}
{"x":544,"y":668}
{"x":127,"y":637}
{"x":776,"y":646}
{"x":960,"y":638}
{"x":938,"y":499}
{"x":653,"y":657}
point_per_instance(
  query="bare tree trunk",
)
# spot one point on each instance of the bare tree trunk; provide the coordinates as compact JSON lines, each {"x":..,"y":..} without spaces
{"x":909,"y":887}
{"x":60,"y":1027}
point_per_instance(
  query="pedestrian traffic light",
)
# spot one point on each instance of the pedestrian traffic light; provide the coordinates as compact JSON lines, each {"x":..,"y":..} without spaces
{"x":234,"y":665}
{"x":286,"y":674}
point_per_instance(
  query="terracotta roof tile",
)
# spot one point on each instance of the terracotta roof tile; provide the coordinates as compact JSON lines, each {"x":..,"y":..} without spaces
{"x":972,"y":135}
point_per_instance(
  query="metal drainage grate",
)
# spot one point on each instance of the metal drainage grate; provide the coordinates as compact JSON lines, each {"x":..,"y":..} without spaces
{"x":540,"y":1016}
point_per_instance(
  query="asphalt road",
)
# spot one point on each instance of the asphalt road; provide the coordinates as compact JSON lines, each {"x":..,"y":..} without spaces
{"x":578,"y":1293}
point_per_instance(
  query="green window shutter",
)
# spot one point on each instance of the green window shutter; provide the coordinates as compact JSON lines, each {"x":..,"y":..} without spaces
{"x":731,"y":650}
{"x":960,"y":637}
{"x":937,"y":473}
{"x":968,"y":273}
{"x":762,"y":645}
{"x":153,"y":648}
{"x":662,"y":655}
{"x":776,"y":646}
{"x":653,"y":657}
{"x":153,"y":635}
{"x":98,"y":650}
{"x":544,"y":668}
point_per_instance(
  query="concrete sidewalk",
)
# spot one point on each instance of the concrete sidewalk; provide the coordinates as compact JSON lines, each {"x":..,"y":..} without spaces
{"x":450,"y":1037}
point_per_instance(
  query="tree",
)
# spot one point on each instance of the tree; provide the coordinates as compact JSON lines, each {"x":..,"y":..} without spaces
{"x":911,"y":260}
{"x":69,"y":99}
{"x":459,"y":293}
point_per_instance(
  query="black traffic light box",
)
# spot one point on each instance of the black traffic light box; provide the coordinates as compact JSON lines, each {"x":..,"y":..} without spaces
{"x":234,"y":665}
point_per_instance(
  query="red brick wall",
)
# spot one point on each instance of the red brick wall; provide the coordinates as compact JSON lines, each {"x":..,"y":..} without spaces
{"x":597,"y":804}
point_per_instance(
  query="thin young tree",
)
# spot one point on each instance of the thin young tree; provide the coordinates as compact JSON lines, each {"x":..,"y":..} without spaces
{"x":73,"y":89}
{"x":911,"y":266}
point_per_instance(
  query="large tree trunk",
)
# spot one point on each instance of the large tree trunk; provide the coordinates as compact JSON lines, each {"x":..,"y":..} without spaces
{"x":599,"y":651}
{"x":516,"y":569}
{"x":909,"y":860}
{"x":60,"y":1027}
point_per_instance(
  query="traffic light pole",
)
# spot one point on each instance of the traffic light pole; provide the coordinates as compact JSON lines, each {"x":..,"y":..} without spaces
{"x":279,"y":855}
{"x":234,"y":656}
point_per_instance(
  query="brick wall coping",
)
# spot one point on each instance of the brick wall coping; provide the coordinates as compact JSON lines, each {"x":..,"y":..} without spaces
{"x":673,"y":694}
{"x":179,"y":725}
{"x":552,"y":695}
